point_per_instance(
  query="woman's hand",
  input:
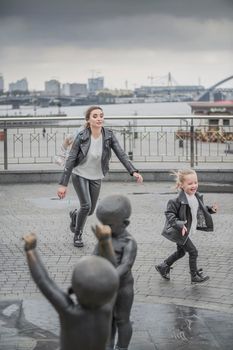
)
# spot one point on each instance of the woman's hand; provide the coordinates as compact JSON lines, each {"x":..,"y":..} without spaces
{"x":138,"y":177}
{"x":215,"y":207}
{"x":62,"y":192}
{"x":184,"y":230}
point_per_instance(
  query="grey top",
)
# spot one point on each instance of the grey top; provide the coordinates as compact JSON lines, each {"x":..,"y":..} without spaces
{"x":80,"y":149}
{"x":90,"y":168}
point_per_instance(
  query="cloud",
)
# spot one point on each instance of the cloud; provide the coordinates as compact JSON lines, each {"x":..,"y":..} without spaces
{"x":128,"y":36}
{"x":141,"y":30}
{"x":87,"y":10}
{"x":180,"y":24}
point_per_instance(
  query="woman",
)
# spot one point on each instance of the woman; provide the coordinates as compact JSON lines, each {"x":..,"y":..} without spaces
{"x":88,"y":161}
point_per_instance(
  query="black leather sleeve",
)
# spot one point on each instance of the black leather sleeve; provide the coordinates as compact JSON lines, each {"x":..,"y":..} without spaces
{"x":172,"y":215}
{"x":122,"y":156}
{"x":70,"y":162}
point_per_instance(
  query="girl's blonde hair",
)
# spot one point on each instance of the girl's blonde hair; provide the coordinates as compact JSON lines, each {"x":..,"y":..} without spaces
{"x":68,"y":140}
{"x":180,"y":175}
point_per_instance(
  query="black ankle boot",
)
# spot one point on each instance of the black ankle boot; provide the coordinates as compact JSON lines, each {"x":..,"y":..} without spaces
{"x":164,"y":270}
{"x":73,"y":214}
{"x":200,"y":272}
{"x":198,"y":277}
{"x":78,"y":242}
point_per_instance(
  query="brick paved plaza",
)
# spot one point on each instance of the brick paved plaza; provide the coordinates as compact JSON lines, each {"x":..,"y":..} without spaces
{"x":164,"y":312}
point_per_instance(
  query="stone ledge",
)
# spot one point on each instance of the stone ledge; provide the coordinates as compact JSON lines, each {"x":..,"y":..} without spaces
{"x":209,"y":180}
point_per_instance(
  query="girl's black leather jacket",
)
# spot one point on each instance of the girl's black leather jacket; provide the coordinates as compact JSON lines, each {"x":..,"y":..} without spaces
{"x":81,"y":146}
{"x":178,"y":214}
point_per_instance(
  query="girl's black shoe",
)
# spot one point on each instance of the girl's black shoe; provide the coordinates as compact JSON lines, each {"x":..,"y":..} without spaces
{"x":198,"y":278}
{"x":164,"y":270}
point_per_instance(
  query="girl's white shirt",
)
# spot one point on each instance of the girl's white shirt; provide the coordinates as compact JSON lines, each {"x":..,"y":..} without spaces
{"x":193,"y":204}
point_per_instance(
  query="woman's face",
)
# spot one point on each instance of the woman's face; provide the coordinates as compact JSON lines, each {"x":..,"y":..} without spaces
{"x":96,"y":118}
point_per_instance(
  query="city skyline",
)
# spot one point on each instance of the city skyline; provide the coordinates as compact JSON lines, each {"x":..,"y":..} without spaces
{"x":25,"y":81}
{"x":128,"y":42}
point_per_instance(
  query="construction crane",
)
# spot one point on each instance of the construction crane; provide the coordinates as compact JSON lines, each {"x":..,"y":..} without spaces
{"x":165,"y":80}
{"x":152,"y":78}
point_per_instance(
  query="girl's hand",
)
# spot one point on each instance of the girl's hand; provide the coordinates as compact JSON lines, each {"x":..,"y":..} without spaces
{"x":62,"y":192}
{"x":138,"y":177}
{"x":215,"y":207}
{"x":184,"y":230}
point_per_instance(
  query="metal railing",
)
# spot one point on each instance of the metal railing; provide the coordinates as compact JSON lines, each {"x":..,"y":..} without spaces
{"x":146,"y":139}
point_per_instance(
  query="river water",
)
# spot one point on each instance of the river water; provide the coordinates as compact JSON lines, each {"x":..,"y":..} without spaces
{"x":129,"y":109}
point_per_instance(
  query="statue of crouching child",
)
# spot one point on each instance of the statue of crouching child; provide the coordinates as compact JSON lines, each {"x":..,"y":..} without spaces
{"x":114,"y":211}
{"x":87,"y":323}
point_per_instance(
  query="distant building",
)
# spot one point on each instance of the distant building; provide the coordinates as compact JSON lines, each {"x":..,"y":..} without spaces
{"x":74,"y":89}
{"x":95,"y":84}
{"x":116,"y":92}
{"x":19,"y":86}
{"x":1,"y":84}
{"x":170,"y":93}
{"x":53,"y":87}
{"x":219,"y":108}
{"x":152,"y":90}
{"x":66,"y":89}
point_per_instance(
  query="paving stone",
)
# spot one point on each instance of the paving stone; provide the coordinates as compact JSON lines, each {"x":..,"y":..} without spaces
{"x":28,"y":208}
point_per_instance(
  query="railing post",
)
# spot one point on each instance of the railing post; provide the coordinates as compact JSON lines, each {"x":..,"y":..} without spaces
{"x":130,"y":137}
{"x":124,"y":141}
{"x":5,"y":150}
{"x":192,"y":144}
{"x":196,"y":148}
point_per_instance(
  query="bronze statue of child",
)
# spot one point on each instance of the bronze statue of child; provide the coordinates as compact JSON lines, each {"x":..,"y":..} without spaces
{"x":85,"y":324}
{"x":114,"y":211}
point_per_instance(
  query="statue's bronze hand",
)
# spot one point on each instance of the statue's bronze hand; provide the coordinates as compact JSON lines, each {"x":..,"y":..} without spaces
{"x":30,"y":241}
{"x":102,"y":232}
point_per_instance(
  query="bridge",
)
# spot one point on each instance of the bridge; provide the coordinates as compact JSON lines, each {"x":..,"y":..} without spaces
{"x":212,"y":88}
{"x":41,"y":100}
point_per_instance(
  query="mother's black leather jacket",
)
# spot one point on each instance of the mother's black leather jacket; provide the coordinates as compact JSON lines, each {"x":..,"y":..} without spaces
{"x":81,"y":146}
{"x":178,"y":214}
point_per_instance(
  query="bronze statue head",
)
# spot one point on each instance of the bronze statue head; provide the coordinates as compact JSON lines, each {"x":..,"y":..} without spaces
{"x":114,"y":210}
{"x":94,"y":281}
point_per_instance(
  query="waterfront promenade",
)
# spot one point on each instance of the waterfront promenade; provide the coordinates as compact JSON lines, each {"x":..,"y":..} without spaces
{"x":166,"y":315}
{"x":150,"y":141}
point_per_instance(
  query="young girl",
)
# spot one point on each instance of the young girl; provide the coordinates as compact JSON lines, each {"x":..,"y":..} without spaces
{"x":64,"y":151}
{"x":184,"y":215}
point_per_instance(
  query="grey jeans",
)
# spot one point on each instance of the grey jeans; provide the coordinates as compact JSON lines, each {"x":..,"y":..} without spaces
{"x":88,"y":194}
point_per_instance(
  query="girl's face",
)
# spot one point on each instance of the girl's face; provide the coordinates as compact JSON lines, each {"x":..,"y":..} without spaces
{"x":96,"y":118}
{"x":190,"y":184}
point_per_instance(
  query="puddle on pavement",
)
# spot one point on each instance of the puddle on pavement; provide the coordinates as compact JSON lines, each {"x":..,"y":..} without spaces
{"x":33,"y":324}
{"x":136,"y":193}
{"x":18,"y":333}
{"x":52,"y":202}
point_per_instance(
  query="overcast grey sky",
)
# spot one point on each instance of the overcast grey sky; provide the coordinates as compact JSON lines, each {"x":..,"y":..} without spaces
{"x":123,"y":40}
